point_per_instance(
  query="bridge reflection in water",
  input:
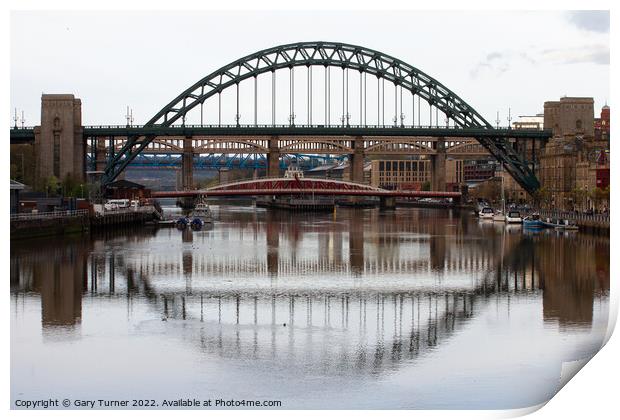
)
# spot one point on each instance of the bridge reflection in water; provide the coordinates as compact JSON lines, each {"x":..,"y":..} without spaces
{"x":352,"y":294}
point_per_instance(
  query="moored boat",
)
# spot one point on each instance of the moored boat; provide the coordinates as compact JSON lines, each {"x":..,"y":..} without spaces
{"x":486,"y":213}
{"x":202,"y":212}
{"x":514,"y":216}
{"x":533,"y":222}
{"x":182,"y":222}
{"x":498,"y":216}
{"x":561,"y":224}
{"x":197,"y":223}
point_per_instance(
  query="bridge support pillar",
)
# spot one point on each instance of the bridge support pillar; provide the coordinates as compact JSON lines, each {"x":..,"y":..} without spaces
{"x":58,"y":142}
{"x":100,"y":154}
{"x":273,"y":158}
{"x":438,"y":167}
{"x":356,"y":161}
{"x":187,"y":165}
{"x":223,"y":175}
{"x":356,"y":166}
{"x":387,"y":203}
{"x":187,"y":173}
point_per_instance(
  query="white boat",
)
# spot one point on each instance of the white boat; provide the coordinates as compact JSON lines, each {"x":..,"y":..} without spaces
{"x":498,"y":216}
{"x":514,"y":216}
{"x":294,"y":172}
{"x":486,"y":213}
{"x":202,"y":212}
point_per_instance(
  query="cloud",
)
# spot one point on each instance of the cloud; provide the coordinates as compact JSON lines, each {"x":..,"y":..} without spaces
{"x":494,"y":56}
{"x":594,"y":54}
{"x":497,"y":63}
{"x":590,"y":20}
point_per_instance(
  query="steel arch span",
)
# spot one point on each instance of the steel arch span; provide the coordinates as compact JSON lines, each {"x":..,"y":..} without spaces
{"x":329,"y":54}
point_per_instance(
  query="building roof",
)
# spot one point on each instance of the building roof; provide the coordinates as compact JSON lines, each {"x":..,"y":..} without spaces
{"x":323,"y":168}
{"x":17,"y":185}
{"x":123,"y":183}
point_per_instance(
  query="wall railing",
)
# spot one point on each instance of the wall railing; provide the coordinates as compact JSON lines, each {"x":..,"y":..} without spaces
{"x":49,"y":215}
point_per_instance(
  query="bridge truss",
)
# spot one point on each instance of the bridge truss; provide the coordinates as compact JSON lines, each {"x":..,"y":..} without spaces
{"x":437,"y":98}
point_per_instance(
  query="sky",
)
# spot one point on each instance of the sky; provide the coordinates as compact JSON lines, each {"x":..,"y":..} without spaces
{"x":493,"y":60}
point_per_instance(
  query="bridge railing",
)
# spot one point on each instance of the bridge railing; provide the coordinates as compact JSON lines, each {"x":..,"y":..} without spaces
{"x":396,"y":126}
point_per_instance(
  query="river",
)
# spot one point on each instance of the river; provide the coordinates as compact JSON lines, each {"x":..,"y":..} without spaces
{"x":355,"y":309}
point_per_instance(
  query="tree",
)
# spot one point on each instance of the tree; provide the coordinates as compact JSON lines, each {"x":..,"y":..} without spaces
{"x":426,"y":186}
{"x":542,"y":197}
{"x":599,"y":195}
{"x":578,"y":195}
{"x":50,"y":185}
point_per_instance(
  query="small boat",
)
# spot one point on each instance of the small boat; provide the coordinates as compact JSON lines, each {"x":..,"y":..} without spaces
{"x":197,"y":223}
{"x":533,"y":222}
{"x":514,"y":216}
{"x":202,"y":212}
{"x":560,"y":224}
{"x":182,"y":223}
{"x":486,"y":213}
{"x":498,"y":216}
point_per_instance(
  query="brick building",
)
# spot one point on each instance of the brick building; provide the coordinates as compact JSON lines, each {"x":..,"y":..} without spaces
{"x":601,"y":126}
{"x":478,"y":170}
{"x":412,"y":174}
{"x":576,"y":160}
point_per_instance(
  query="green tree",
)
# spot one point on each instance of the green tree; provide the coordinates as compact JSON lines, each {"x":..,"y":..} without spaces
{"x":542,"y":197}
{"x":578,"y":195}
{"x":426,"y":186}
{"x":598,"y":196}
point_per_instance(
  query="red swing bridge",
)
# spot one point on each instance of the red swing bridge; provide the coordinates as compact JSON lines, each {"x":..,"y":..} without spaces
{"x":306,"y":187}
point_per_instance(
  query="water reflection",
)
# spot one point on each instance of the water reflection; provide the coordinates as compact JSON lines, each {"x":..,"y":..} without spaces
{"x":356,"y":293}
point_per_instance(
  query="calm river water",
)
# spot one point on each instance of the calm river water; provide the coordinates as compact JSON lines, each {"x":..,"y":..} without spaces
{"x":357,"y":309}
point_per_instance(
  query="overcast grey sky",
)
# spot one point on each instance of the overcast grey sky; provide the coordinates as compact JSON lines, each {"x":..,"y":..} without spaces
{"x":493,"y":60}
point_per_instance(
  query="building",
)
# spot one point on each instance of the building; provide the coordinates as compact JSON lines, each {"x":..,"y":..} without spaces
{"x":570,"y":116}
{"x":126,"y":189}
{"x":412,"y":174}
{"x":513,"y":192}
{"x":529,"y":122}
{"x":455,"y":174}
{"x":601,"y":126}
{"x":59,"y":140}
{"x":400,"y":174}
{"x":478,"y":170}
{"x":574,"y":165}
{"x":16,"y":187}
{"x":592,"y":182}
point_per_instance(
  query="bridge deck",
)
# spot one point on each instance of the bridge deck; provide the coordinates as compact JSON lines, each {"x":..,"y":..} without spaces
{"x":27,"y":134}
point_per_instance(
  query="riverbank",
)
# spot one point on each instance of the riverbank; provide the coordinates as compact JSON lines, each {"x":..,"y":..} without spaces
{"x":34,"y":225}
{"x":595,"y":223}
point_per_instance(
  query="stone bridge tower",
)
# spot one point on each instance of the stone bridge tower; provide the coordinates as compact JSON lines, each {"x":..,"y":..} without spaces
{"x":58,"y":141}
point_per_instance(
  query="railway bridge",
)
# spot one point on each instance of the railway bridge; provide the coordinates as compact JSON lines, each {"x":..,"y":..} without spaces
{"x":334,"y":108}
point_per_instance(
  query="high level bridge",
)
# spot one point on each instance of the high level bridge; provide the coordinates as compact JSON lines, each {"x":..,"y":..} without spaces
{"x":333,"y":108}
